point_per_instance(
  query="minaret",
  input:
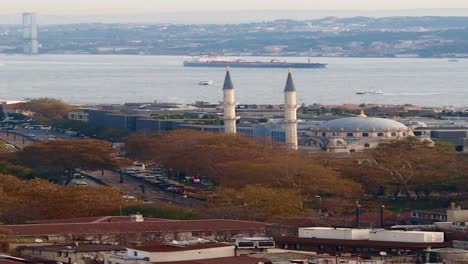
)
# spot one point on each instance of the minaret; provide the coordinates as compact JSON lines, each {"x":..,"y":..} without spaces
{"x":290,"y":112}
{"x":229,"y":105}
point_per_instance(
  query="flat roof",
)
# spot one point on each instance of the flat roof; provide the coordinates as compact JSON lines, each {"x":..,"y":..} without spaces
{"x":177,"y":248}
{"x":75,"y":248}
{"x":226,"y":260}
{"x":359,"y":243}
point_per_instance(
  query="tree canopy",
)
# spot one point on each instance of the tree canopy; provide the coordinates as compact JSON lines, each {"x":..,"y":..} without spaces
{"x":235,"y":161}
{"x":35,"y":199}
{"x":410,"y":166}
{"x":47,"y":107}
{"x":68,"y":155}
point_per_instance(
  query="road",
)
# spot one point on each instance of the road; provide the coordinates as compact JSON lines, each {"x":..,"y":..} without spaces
{"x":21,"y":137}
{"x":15,"y":139}
{"x":41,"y":135}
{"x":132,"y":186}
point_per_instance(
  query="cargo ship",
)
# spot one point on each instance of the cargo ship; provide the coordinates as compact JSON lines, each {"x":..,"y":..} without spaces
{"x":237,"y":63}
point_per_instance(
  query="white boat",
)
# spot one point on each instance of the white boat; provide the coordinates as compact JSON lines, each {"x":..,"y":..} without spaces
{"x":369,"y":92}
{"x":208,"y":82}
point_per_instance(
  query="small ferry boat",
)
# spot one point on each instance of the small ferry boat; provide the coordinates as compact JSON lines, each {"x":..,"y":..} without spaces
{"x":207,"y":82}
{"x":369,"y":92}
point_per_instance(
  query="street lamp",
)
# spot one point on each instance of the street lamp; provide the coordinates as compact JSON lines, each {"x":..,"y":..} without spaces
{"x":382,"y":224}
{"x":320,"y":204}
{"x":357,"y":213}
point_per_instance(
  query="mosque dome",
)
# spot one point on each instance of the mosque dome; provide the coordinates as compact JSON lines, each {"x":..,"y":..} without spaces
{"x":363,"y":123}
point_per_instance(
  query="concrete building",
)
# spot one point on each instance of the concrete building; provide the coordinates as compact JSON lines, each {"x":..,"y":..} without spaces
{"x":229,"y":105}
{"x":362,"y":242}
{"x":174,"y":251}
{"x":126,"y":231}
{"x":455,"y":135}
{"x":72,"y":253}
{"x":31,"y":45}
{"x":82,"y":116}
{"x":290,"y":112}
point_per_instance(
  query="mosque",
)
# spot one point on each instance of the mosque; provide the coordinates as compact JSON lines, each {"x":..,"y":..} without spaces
{"x":345,"y":135}
{"x":354,"y":134}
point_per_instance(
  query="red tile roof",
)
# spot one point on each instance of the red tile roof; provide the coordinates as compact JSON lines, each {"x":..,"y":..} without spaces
{"x":133,"y":227}
{"x":227,"y":260}
{"x":94,"y":219}
{"x":175,"y":248}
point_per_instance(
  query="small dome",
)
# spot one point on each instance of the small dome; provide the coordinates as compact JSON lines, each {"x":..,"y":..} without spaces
{"x":363,"y":124}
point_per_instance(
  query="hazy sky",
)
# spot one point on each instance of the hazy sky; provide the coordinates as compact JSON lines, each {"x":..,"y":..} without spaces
{"x":139,"y":6}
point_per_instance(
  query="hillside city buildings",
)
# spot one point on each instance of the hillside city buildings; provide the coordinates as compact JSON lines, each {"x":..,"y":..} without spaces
{"x":409,"y":37}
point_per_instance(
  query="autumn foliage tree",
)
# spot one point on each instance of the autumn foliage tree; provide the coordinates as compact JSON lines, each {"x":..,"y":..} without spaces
{"x":256,"y":202}
{"x":24,"y":200}
{"x":47,"y":107}
{"x":62,"y":156}
{"x":236,"y":162}
{"x":408,"y":167}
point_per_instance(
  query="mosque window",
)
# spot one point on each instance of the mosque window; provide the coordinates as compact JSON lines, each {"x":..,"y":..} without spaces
{"x":350,"y":134}
{"x":367,"y":145}
{"x":380,"y":135}
{"x":393,"y":134}
{"x":365,"y":134}
{"x":404,"y":134}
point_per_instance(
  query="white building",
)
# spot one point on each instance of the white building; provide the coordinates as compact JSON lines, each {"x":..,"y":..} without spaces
{"x":176,"y":251}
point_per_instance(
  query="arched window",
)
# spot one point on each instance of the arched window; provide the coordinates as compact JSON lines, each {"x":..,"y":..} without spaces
{"x":404,"y":134}
{"x":367,"y":145}
{"x":352,"y":150}
{"x":324,"y":134}
{"x":365,"y":134}
{"x":350,"y":134}
{"x":393,"y":134}
{"x":380,"y":134}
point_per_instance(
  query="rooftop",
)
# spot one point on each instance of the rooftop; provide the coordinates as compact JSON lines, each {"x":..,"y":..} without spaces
{"x":176,"y":248}
{"x":95,"y":219}
{"x":81,"y":227}
{"x":363,"y":124}
{"x":75,"y":248}
{"x":365,"y":243}
{"x":226,"y":260}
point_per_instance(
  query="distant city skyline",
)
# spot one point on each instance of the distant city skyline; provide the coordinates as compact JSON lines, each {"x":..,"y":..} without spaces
{"x":88,"y":7}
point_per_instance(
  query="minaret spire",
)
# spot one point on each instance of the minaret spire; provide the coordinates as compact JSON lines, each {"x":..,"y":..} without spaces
{"x":290,"y":112}
{"x":229,"y":105}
